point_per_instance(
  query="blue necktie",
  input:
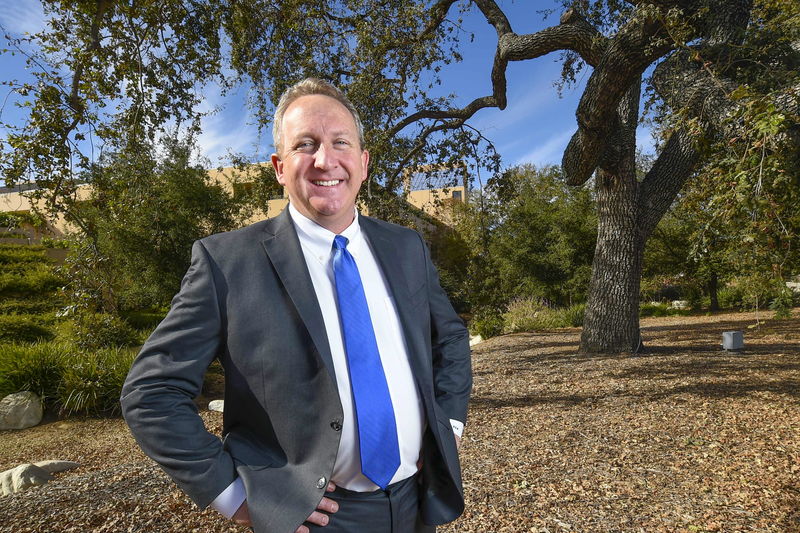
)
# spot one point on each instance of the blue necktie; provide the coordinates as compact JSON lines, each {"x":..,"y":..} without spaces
{"x":377,"y":429}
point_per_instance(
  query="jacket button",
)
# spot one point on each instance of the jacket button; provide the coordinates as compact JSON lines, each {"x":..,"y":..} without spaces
{"x":321,"y":482}
{"x":336,"y":425}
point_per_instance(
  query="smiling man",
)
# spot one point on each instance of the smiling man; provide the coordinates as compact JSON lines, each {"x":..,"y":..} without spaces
{"x":347,"y":372}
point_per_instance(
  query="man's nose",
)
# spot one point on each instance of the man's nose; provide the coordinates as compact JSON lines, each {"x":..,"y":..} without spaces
{"x":324,"y":157}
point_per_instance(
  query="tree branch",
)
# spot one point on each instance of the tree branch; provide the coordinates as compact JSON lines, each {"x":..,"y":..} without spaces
{"x":74,"y":102}
{"x":443,"y":114}
{"x":494,"y":16}
{"x":661,"y":184}
{"x":573,"y":33}
{"x":421,"y":140}
{"x":626,"y":57}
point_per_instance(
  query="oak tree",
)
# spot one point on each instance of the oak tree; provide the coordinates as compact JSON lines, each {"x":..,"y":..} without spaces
{"x":388,"y":56}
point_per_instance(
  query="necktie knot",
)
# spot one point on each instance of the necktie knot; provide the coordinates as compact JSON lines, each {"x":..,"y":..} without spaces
{"x":340,"y":242}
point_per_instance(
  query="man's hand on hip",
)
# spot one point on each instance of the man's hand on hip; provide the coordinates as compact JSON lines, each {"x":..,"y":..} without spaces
{"x":321,"y":519}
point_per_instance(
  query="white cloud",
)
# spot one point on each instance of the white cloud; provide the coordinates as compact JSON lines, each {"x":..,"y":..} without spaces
{"x":22,"y":16}
{"x":548,"y":153}
{"x":228,"y":126}
{"x":526,"y":99}
{"x":223,"y":132}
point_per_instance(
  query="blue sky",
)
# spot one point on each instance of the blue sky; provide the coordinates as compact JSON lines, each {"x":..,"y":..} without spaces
{"x":534,"y":128}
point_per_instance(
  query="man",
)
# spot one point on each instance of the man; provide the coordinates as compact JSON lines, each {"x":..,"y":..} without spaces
{"x":328,"y":423}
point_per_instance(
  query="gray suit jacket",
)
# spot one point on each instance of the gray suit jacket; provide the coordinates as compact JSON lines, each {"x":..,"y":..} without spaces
{"x":248,"y":300}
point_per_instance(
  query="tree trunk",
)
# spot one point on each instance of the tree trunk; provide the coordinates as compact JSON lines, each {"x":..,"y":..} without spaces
{"x":713,"y":285}
{"x":611,"y":322}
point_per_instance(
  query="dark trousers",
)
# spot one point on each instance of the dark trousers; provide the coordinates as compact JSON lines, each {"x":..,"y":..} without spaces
{"x":395,"y":510}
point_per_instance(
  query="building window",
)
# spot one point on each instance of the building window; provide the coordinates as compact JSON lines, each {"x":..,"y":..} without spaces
{"x":456,"y":195}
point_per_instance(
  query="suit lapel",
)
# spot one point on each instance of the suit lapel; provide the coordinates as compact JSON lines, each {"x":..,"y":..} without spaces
{"x":284,"y":252}
{"x":391,"y":259}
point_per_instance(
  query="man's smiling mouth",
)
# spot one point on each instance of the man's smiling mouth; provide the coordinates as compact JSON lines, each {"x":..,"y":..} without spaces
{"x":328,"y":183}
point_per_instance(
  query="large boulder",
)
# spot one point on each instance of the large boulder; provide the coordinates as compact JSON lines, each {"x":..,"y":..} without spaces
{"x":20,"y":410}
{"x":22,"y":477}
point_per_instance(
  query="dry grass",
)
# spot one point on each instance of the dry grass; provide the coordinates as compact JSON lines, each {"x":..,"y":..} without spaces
{"x":681,"y":438}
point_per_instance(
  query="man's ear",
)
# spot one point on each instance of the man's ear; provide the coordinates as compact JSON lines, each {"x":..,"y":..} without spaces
{"x":277,"y":164}
{"x":364,"y":164}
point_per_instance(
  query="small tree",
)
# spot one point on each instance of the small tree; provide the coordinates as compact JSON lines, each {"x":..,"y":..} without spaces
{"x":145,"y":211}
{"x":522,"y":239}
{"x":545,"y":236}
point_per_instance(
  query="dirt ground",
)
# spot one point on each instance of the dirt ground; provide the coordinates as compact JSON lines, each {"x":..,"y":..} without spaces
{"x":682,"y":437}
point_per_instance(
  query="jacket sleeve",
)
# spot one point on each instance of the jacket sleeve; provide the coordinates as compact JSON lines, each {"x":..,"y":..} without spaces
{"x":452,"y":370}
{"x":157,"y":397}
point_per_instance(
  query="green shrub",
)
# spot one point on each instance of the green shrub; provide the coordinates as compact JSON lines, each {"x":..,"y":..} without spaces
{"x":731,"y":297}
{"x":99,"y":330}
{"x":23,"y":328}
{"x":15,"y":253}
{"x":64,"y":377}
{"x":529,"y":314}
{"x":29,"y":283}
{"x":92,"y":383}
{"x":487,"y":323}
{"x":654,"y":309}
{"x":28,"y":307}
{"x":574,"y":314}
{"x":37,"y":368}
{"x":782,"y":304}
{"x":523,"y":314}
{"x":144,"y":320}
{"x":49,"y":242}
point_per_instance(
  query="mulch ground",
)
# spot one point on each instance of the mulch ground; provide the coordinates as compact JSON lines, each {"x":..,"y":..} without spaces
{"x":682,"y":437}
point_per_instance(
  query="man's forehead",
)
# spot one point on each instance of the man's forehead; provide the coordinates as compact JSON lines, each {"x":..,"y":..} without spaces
{"x":315,"y":115}
{"x":317,"y":104}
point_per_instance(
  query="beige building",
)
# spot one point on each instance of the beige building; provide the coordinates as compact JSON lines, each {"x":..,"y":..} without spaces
{"x":429,"y":193}
{"x":435,"y":192}
{"x":18,"y":200}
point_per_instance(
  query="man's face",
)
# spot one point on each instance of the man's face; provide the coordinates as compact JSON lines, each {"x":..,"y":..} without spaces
{"x":322,"y":164}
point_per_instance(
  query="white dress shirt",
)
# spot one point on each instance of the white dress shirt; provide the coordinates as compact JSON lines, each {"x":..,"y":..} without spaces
{"x":317,"y":246}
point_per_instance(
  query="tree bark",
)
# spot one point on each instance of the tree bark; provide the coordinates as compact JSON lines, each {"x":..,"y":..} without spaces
{"x":611,"y":322}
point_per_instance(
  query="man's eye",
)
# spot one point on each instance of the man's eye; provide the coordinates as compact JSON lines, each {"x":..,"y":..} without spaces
{"x":305,"y":145}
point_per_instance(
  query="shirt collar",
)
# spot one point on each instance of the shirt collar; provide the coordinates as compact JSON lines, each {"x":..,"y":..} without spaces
{"x":319,"y":240}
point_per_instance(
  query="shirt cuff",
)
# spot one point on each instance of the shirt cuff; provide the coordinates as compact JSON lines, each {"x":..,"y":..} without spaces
{"x":458,"y":427}
{"x":230,"y":499}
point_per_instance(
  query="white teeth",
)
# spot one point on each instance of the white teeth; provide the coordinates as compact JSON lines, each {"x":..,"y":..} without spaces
{"x":329,"y":183}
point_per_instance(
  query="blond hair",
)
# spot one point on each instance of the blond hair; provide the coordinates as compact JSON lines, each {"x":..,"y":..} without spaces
{"x":308,"y":87}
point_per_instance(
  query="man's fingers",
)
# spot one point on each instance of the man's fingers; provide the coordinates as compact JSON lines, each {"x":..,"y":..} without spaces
{"x":328,"y":505}
{"x":331,"y":487}
{"x":319,"y":519}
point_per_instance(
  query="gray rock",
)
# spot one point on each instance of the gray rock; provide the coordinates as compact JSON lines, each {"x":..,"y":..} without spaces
{"x":54,"y":466}
{"x":20,"y":410}
{"x":216,"y":405}
{"x":22,"y":477}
